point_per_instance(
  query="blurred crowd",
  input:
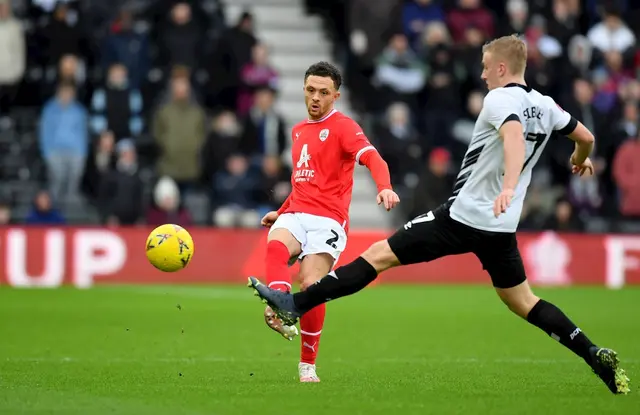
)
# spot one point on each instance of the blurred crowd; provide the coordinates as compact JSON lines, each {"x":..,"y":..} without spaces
{"x":148,"y":111}
{"x":414,"y":66}
{"x":152,"y":111}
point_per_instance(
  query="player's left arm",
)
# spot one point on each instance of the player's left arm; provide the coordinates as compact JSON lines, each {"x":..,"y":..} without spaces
{"x":355,"y":143}
{"x":500,"y":111}
{"x":584,"y":140}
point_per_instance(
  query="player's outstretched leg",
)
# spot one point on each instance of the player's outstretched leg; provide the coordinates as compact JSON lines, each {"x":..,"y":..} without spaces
{"x":556,"y":324}
{"x":281,"y":246}
{"x":345,"y":280}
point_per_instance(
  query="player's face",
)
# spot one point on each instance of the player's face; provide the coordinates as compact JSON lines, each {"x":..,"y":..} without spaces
{"x":319,"y":95}
{"x":492,"y":71}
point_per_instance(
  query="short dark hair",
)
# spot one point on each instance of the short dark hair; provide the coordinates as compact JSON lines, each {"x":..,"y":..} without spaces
{"x":325,"y":70}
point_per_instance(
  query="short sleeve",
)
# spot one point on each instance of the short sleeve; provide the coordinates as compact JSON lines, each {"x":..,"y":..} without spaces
{"x":353,"y":140}
{"x":562,"y":121}
{"x":499,"y":107}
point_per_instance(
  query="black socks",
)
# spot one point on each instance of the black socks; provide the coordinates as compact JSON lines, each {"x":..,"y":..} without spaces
{"x":556,"y":324}
{"x":346,"y":280}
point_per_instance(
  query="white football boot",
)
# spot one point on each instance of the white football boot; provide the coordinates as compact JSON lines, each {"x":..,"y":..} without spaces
{"x":308,"y":373}
{"x":288,"y":332}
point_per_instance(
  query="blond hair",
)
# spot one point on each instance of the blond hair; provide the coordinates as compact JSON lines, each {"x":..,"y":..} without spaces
{"x":512,"y":50}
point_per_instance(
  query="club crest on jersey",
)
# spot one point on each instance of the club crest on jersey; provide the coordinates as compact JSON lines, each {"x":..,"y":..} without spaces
{"x":324,"y":134}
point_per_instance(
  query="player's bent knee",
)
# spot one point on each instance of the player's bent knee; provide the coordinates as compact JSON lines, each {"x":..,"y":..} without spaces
{"x":283,"y":235}
{"x":519,"y":299}
{"x":380,"y":256}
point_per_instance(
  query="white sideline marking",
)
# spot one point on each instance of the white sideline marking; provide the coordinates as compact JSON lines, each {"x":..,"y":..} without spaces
{"x":223,"y":359}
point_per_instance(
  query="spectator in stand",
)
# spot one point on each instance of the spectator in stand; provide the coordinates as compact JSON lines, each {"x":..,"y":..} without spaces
{"x":12,"y":57}
{"x":469,"y":56}
{"x":99,"y":163}
{"x":462,"y":128}
{"x":368,"y":24}
{"x":612,"y":34}
{"x":124,"y":45}
{"x":179,"y":131}
{"x":274,"y":185}
{"x":517,"y":18}
{"x":222,"y":142}
{"x":534,"y":210}
{"x":256,"y":74}
{"x":443,"y":95}
{"x":564,"y":218}
{"x":584,"y":194}
{"x":540,"y":72}
{"x":629,"y":125}
{"x":120,"y":197}
{"x":165,"y":96}
{"x":399,"y":72}
{"x":5,"y":213}
{"x":608,"y":79}
{"x":399,"y":143}
{"x":62,"y":35}
{"x":565,"y":21}
{"x":264,"y":130}
{"x":235,"y":189}
{"x":435,"y":183}
{"x":434,"y":35}
{"x":43,"y":212}
{"x":232,"y":54}
{"x":579,"y":54}
{"x":70,"y":70}
{"x":181,"y":41}
{"x":468,"y":13}
{"x":167,"y":205}
{"x":117,"y":107}
{"x":64,"y":143}
{"x":626,"y":171}
{"x":416,"y":15}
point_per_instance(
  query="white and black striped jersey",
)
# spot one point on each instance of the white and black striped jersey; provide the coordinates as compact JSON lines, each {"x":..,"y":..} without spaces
{"x":480,"y":179}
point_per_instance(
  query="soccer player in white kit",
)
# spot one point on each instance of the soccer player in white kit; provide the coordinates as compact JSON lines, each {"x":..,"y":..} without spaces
{"x":482,"y":215}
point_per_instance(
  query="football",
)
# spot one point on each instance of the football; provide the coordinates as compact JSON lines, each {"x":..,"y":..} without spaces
{"x":169,"y":248}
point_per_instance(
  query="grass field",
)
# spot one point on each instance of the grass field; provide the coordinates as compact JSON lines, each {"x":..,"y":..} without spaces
{"x":205,"y":350}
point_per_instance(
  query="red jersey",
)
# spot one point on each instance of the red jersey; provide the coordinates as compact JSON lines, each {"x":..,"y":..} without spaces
{"x":324,"y":154}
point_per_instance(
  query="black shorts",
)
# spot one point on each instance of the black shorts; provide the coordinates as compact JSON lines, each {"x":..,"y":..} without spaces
{"x":435,"y":235}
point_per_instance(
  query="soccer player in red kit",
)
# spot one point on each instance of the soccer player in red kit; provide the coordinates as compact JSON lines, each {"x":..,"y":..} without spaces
{"x":312,"y":223}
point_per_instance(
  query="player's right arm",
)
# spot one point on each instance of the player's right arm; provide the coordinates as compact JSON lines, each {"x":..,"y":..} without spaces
{"x":501,"y":110}
{"x":270,"y":218}
{"x":584,"y":140}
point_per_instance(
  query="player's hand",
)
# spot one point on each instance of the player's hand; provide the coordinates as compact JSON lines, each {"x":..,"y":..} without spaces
{"x":269,"y":219}
{"x":388,"y":198}
{"x":502,"y":202}
{"x":583,"y":168}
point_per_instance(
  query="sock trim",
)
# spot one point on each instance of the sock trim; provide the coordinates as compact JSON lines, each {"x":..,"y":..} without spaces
{"x":317,"y":333}
{"x":279,"y":283}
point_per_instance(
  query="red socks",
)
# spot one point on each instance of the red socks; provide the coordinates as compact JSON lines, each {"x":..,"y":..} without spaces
{"x":278,"y":278}
{"x":277,"y":268}
{"x":310,"y":329}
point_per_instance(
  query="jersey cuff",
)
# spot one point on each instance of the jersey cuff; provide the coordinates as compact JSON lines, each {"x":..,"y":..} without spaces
{"x":362,"y":151}
{"x":570,"y":127}
{"x":512,"y":117}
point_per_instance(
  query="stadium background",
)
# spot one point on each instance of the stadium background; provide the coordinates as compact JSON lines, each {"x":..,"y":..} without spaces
{"x":181,"y":112}
{"x":179,"y":117}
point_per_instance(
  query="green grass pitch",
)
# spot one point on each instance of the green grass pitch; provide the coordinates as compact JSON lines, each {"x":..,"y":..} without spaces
{"x":158,"y":350}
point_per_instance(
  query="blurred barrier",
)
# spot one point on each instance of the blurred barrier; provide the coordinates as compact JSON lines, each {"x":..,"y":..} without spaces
{"x":50,"y":257}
